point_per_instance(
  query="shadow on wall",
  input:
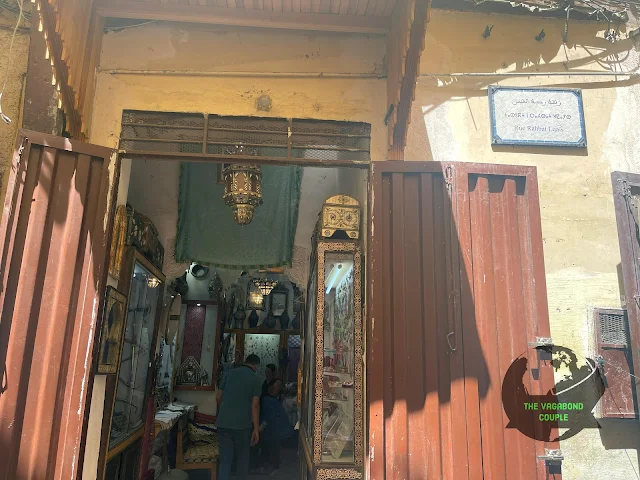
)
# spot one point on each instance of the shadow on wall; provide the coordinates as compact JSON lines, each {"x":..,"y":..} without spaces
{"x":621,"y":434}
{"x":512,"y":45}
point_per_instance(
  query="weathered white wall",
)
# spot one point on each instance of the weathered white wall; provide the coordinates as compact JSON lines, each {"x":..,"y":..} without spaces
{"x":450,"y":121}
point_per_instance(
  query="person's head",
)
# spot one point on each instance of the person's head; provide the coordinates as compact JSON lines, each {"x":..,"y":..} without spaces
{"x":270,"y":372}
{"x":253,"y":361}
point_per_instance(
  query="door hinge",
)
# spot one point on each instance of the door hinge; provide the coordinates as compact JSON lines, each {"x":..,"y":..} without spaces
{"x":448,"y":177}
{"x":623,"y":189}
{"x":552,"y":457}
{"x":541,"y":342}
{"x":25,"y":140}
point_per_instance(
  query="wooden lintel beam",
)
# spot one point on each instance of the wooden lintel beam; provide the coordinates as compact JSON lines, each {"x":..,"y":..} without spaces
{"x":246,"y":18}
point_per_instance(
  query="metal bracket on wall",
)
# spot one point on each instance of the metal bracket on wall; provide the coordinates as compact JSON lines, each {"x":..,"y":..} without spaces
{"x":543,"y":346}
{"x":541,"y":342}
{"x":623,"y":189}
{"x":552,"y":457}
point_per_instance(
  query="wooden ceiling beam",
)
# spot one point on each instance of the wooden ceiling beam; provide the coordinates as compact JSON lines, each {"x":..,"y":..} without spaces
{"x":245,"y":18}
{"x":405,"y":44}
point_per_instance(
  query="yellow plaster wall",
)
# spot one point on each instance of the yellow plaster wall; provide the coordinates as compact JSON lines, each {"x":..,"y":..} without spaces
{"x":197,"y":49}
{"x":15,"y":72}
{"x":450,"y":121}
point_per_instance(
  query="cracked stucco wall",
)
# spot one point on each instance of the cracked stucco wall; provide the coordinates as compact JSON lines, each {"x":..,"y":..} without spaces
{"x":450,"y":122}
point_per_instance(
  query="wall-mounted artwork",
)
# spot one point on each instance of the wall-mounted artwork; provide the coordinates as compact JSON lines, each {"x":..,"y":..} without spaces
{"x":279,"y":300}
{"x":112,"y":332}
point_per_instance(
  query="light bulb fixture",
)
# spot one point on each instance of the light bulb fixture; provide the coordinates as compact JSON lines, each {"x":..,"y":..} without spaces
{"x":265,"y":285}
{"x":256,"y":298}
{"x":152,"y":282}
{"x":198,"y":304}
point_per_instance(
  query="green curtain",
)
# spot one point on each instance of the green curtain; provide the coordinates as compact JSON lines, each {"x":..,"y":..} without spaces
{"x":208,"y":235}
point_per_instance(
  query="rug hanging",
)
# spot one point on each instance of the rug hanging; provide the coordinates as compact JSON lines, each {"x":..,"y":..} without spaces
{"x":208,"y":234}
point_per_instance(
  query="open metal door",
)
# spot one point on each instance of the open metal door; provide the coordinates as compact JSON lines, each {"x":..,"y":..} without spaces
{"x":55,"y":236}
{"x":456,"y":293}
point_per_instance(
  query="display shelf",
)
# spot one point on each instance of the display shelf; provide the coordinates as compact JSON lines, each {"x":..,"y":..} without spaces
{"x":124,"y":416}
{"x":332,"y":370}
{"x":336,"y":374}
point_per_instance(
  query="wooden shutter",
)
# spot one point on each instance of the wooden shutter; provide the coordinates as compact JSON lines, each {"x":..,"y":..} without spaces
{"x":55,"y":234}
{"x":626,"y":199}
{"x":457,"y":291}
{"x":613,"y":345}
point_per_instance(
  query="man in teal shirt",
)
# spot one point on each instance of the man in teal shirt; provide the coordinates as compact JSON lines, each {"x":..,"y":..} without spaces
{"x":238,"y":417}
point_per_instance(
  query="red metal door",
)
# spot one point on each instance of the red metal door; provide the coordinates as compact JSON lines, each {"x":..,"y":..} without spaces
{"x":55,"y":234}
{"x":457,"y":291}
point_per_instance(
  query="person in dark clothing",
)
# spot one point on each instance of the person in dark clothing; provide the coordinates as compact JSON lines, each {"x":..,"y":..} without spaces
{"x":238,"y":419}
{"x":275,"y":429}
{"x":272,"y":385}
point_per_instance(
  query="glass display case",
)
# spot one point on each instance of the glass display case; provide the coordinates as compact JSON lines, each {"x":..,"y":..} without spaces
{"x":332,"y":390}
{"x":144,"y":285}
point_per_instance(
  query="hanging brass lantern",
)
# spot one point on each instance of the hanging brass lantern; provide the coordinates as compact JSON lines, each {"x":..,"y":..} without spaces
{"x":242,"y":189}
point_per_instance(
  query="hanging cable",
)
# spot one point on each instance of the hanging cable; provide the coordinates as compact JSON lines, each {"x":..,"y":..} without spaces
{"x":4,"y":117}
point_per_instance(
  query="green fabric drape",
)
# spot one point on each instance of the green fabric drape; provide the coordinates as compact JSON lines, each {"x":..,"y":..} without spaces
{"x":208,"y":235}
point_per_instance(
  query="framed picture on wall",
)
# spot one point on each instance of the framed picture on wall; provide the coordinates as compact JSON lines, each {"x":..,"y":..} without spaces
{"x":112,"y":332}
{"x":279,"y":299}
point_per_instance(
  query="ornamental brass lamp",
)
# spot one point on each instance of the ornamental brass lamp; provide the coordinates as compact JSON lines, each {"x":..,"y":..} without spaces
{"x":242,"y":188}
{"x":265,"y":285}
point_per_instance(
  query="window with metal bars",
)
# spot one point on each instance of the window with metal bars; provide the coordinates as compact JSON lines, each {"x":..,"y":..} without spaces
{"x":224,"y":136}
{"x":613,"y":343}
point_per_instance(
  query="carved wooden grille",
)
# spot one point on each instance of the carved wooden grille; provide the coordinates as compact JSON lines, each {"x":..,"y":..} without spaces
{"x":277,"y":138}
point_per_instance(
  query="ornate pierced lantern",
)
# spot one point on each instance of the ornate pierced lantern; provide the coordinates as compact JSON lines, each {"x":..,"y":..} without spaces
{"x":242,"y":186}
{"x":264,"y":285}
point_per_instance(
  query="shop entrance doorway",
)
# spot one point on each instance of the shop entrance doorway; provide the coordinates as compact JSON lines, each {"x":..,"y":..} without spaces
{"x":55,"y":233}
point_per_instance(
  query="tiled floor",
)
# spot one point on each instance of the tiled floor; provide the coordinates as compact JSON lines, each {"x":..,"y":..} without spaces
{"x":289,"y":468}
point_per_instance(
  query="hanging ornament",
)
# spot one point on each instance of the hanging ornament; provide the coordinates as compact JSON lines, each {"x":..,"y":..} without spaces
{"x":242,"y":186}
{"x":265,"y":285}
{"x":215,"y":287}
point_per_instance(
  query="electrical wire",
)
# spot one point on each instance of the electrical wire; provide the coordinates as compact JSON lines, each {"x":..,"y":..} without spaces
{"x":4,"y":117}
{"x":126,"y":27}
{"x":8,"y":6}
